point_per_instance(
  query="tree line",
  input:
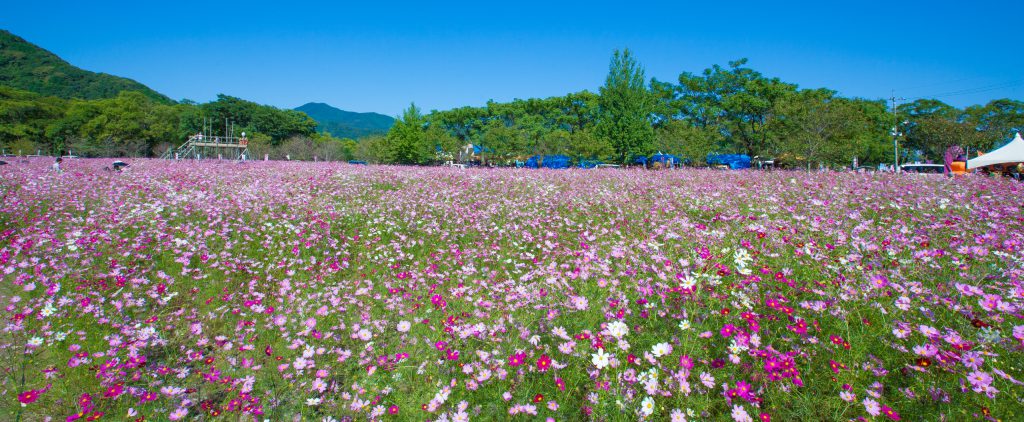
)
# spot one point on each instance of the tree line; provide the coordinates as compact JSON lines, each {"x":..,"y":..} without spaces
{"x":731,"y":109}
{"x":724,"y":109}
{"x":134,"y":125}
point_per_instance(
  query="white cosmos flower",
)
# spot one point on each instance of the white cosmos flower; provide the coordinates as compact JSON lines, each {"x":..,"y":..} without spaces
{"x":661,"y":349}
{"x":688,"y":282}
{"x":600,"y":359}
{"x":647,"y":406}
{"x":618,"y":329}
{"x":739,"y":414}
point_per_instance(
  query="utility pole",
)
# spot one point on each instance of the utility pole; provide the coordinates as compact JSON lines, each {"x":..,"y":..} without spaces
{"x":895,"y":133}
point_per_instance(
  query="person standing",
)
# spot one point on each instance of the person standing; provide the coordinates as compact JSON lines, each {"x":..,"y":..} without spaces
{"x":56,"y":165}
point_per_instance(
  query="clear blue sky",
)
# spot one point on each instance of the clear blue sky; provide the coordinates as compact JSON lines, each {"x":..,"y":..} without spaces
{"x":372,"y":56}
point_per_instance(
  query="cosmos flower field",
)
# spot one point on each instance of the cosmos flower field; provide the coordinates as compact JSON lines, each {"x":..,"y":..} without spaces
{"x":317,"y":291}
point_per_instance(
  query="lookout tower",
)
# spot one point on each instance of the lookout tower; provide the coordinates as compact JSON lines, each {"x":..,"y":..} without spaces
{"x":205,"y":145}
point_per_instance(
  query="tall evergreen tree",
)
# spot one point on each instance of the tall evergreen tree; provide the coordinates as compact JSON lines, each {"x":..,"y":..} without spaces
{"x":406,"y":141}
{"x":625,"y":108}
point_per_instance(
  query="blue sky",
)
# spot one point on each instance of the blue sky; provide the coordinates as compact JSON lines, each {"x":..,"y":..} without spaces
{"x":371,"y":56}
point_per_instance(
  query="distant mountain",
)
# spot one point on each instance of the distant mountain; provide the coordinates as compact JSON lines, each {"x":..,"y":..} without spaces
{"x":26,"y":66}
{"x":347,"y":124}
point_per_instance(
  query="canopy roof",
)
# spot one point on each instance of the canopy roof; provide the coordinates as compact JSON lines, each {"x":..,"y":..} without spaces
{"x":1012,"y":152}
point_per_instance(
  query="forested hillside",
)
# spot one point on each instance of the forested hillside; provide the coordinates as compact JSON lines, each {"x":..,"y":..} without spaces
{"x":346,"y":124}
{"x":24,"y":65}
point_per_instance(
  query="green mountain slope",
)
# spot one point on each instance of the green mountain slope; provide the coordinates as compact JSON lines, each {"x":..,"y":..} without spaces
{"x":26,"y":66}
{"x":346,"y":124}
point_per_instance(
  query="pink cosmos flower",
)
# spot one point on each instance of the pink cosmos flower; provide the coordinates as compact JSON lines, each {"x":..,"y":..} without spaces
{"x":890,"y":413}
{"x":979,"y":380}
{"x":543,"y":363}
{"x":871,"y":407}
{"x":686,"y":362}
{"x":879,"y":282}
{"x":28,"y":397}
{"x":516,"y":359}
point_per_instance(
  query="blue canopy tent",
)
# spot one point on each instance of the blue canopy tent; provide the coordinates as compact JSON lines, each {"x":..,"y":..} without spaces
{"x":589,"y":164}
{"x":662,"y":158}
{"x":734,"y":161}
{"x":548,"y":161}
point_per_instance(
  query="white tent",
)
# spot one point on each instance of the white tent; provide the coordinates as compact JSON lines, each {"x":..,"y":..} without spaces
{"x":1010,"y":153}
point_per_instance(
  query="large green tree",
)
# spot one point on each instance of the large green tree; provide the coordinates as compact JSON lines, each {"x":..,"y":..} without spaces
{"x":932,"y":135}
{"x":997,"y":121}
{"x":626,"y":108}
{"x":251,"y":117}
{"x":407,"y":143}
{"x":740,"y":102}
{"x":820,"y":129}
{"x":931,"y":126}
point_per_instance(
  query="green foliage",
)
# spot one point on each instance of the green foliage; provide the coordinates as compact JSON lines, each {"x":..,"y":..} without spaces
{"x":445,"y":145}
{"x":998,"y":121}
{"x":685,"y":140}
{"x":521,"y":128}
{"x":931,"y":126}
{"x":372,"y":149}
{"x":926,"y":108}
{"x":820,"y":128}
{"x":251,"y":117}
{"x":260,"y":145}
{"x":577,"y":111}
{"x":501,"y":142}
{"x":626,"y":107}
{"x":932,"y":135}
{"x":583,"y":144}
{"x":24,"y":65}
{"x":132,"y":124}
{"x":329,"y":148}
{"x":407,"y":142}
{"x":462,"y":123}
{"x":740,"y":102}
{"x":873,"y":143}
{"x":24,"y":117}
{"x":318,"y":147}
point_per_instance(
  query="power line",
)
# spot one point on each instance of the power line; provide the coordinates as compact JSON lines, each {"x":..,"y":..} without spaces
{"x":929,"y":85}
{"x":976,"y":90}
